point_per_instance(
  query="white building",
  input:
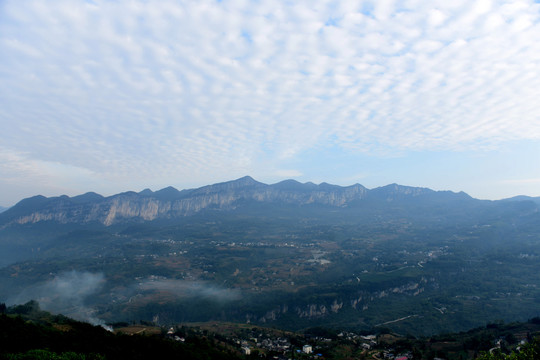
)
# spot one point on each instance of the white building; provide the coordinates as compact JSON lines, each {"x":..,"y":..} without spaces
{"x":307,"y":349}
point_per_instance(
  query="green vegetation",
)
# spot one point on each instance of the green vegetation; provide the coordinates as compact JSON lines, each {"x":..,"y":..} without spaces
{"x":526,"y":352}
{"x":33,"y":334}
{"x":27,"y":332}
{"x":296,"y":273}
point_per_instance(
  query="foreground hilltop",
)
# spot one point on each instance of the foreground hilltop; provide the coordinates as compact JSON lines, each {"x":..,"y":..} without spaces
{"x":26,"y":332}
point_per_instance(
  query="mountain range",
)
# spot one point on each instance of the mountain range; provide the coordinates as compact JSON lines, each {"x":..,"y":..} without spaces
{"x":170,"y":203}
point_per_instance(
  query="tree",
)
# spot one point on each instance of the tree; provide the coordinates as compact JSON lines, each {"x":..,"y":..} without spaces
{"x":529,"y":351}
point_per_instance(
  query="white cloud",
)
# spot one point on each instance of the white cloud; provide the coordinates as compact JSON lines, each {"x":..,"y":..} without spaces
{"x":130,"y":89}
{"x":18,"y":171}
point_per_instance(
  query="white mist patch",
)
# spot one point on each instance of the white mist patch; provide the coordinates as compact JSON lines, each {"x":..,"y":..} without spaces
{"x":74,"y":287}
{"x":66,"y":294}
{"x":187,"y":289}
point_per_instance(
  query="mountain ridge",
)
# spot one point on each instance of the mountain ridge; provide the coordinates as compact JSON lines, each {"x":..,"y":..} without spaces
{"x":170,"y":203}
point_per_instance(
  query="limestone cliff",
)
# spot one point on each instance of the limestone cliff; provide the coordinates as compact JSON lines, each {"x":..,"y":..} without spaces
{"x":170,"y":203}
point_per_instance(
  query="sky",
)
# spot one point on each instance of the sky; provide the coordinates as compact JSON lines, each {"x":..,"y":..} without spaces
{"x":111,"y":96}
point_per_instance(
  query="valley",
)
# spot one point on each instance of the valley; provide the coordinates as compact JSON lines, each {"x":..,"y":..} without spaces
{"x":414,"y":262}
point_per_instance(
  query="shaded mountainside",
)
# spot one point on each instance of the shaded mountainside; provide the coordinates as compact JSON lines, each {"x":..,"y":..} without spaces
{"x":170,"y":204}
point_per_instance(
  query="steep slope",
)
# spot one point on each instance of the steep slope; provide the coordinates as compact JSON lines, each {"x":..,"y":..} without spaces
{"x":247,"y":194}
{"x":170,"y":203}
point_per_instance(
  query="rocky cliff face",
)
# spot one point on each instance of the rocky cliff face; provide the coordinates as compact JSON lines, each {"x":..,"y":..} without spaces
{"x":170,"y":203}
{"x":362,"y":301}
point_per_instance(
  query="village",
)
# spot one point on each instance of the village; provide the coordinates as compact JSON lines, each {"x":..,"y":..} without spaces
{"x":266,"y":343}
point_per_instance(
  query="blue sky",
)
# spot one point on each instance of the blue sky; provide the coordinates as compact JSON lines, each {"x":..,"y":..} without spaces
{"x":110,"y":96}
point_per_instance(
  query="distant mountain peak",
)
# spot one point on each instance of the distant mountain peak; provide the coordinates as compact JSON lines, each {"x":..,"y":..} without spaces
{"x":146,"y":192}
{"x":87,"y":197}
{"x":522,"y":198}
{"x":246,"y":181}
{"x":291,"y":184}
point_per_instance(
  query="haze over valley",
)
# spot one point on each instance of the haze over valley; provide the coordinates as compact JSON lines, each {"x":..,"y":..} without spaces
{"x":290,"y":255}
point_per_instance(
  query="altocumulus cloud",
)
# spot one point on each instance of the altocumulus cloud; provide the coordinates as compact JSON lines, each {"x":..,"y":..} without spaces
{"x":126,"y":89}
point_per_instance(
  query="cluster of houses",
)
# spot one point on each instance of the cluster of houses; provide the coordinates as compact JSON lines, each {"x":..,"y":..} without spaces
{"x":281,"y":348}
{"x":388,"y":355}
{"x":306,"y":349}
{"x":279,"y":345}
{"x":170,"y":334}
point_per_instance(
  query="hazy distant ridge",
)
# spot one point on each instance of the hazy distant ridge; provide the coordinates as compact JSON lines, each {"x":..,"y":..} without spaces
{"x":170,"y":203}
